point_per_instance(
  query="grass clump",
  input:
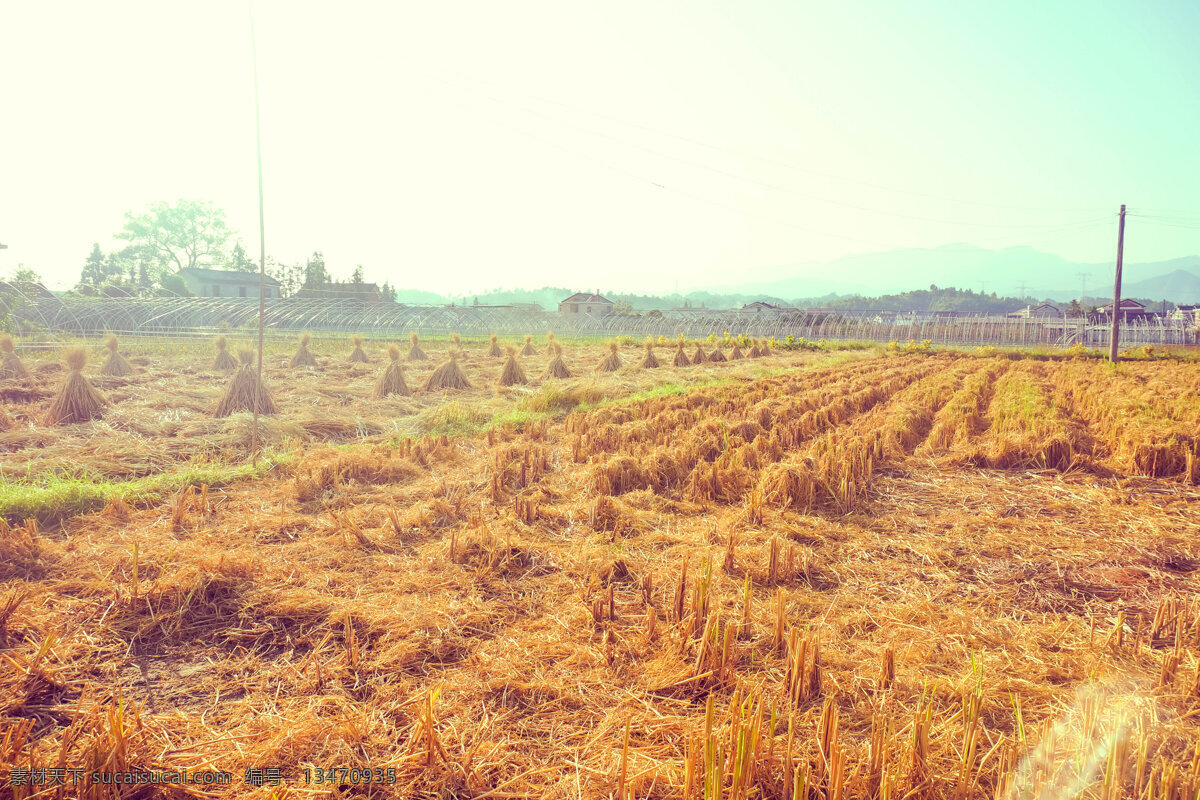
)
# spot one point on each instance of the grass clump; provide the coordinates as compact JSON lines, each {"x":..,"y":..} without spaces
{"x":116,"y":366}
{"x":10,"y":364}
{"x":224,"y":362}
{"x":246,"y":392}
{"x":303,"y":357}
{"x":392,"y":382}
{"x":452,"y":419}
{"x":78,"y":400}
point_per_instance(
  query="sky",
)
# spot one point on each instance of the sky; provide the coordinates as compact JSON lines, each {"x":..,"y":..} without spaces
{"x":625,"y":146}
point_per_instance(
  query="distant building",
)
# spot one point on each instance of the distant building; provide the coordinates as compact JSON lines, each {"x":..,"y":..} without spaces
{"x":365,"y":292}
{"x":761,"y":307}
{"x":226,"y":283}
{"x":1130,"y":309}
{"x":585,"y":303}
{"x":1187,"y":314}
{"x":1040,"y":311}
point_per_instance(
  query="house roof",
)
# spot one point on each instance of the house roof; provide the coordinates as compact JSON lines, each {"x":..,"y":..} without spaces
{"x":1044,"y":305}
{"x":1126,"y":303}
{"x":586,"y":297}
{"x":224,"y":275}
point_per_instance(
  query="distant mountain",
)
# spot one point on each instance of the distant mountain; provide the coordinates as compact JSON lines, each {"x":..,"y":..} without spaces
{"x":968,"y":266}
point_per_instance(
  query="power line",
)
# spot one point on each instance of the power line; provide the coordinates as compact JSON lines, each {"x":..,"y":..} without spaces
{"x":763,"y":159}
{"x":734,"y":175}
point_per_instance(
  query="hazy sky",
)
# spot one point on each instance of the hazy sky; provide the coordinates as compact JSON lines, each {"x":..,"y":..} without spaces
{"x":621,"y":145}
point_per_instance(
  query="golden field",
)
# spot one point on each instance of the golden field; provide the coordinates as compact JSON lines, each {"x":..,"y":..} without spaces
{"x":815,"y":574}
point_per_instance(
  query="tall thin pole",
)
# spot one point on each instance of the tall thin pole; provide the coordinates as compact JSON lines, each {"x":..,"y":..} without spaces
{"x":1113,"y":355}
{"x":262,"y":238}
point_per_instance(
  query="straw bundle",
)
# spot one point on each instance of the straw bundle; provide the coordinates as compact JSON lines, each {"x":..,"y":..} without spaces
{"x":415,"y":353}
{"x":550,"y":343}
{"x":764,"y":349}
{"x":78,"y":400}
{"x":303,"y":358}
{"x":716,"y":356}
{"x":494,"y":351}
{"x":736,"y":353}
{"x":448,"y":376}
{"x":392,"y":380}
{"x":512,"y":374}
{"x":456,"y":342}
{"x":224,"y":361}
{"x":245,"y":390}
{"x":359,"y":356}
{"x":649,"y":361}
{"x":755,"y":352}
{"x":10,"y":364}
{"x":610,"y":362}
{"x":116,"y":366}
{"x":681,"y":358}
{"x":557,"y":367}
{"x":699,"y":357}
{"x":528,"y":350}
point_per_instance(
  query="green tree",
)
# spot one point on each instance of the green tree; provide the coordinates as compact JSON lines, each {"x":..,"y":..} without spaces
{"x":357,"y":276}
{"x":24,"y":274}
{"x":315,"y":274}
{"x":191,"y":233}
{"x":238,"y":260}
{"x":93,"y":268}
{"x":1074,"y":309}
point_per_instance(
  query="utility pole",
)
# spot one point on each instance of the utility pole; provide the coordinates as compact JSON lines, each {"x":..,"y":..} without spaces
{"x":1021,"y":289}
{"x":1113,"y":355}
{"x":1083,"y":276}
{"x":262,"y":243}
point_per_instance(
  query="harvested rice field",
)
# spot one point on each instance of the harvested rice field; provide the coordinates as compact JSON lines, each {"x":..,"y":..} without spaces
{"x":806,"y":575}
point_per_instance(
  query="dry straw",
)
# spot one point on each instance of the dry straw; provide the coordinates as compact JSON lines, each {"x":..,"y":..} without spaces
{"x":224,"y":361}
{"x":528,"y":349}
{"x":699,"y":357}
{"x":245,"y":390}
{"x":116,"y":366}
{"x":512,"y":374}
{"x":755,"y":351}
{"x":716,"y":356}
{"x":550,"y":343}
{"x":448,"y":376}
{"x":736,"y":353}
{"x":610,"y":362}
{"x":681,"y":358}
{"x":650,"y":361}
{"x":78,"y":400}
{"x":303,"y":358}
{"x":764,"y":348}
{"x":415,"y":353}
{"x":456,"y":342}
{"x":494,"y":351}
{"x":392,"y":380}
{"x":10,"y":364}
{"x":557,"y":367}
{"x":359,"y":356}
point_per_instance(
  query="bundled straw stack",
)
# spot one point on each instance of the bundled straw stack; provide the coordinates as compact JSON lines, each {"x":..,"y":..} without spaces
{"x":736,"y":353}
{"x":116,"y":366}
{"x":448,"y":376}
{"x":245,"y":390}
{"x":10,"y":364}
{"x":681,"y":358}
{"x":754,"y":351}
{"x":650,"y":361}
{"x":512,"y":374}
{"x":303,"y":358}
{"x":359,"y":356}
{"x":78,"y":400}
{"x":415,"y":353}
{"x":392,"y":380}
{"x":494,"y":351}
{"x":611,"y":362}
{"x":224,"y":362}
{"x":528,"y":350}
{"x":456,"y":342}
{"x":716,"y":356}
{"x":699,"y":357}
{"x":557,"y":367}
{"x":764,"y":349}
{"x":550,"y":343}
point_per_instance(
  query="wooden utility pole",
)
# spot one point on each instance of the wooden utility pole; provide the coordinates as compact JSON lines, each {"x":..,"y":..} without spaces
{"x":1113,"y":354}
{"x":262,"y":241}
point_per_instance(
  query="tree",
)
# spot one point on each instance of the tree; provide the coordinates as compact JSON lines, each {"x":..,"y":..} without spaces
{"x":24,"y":274}
{"x":93,"y":268}
{"x":191,"y":233}
{"x":1074,"y":309}
{"x":238,"y":260}
{"x":315,"y":274}
{"x":357,"y":276}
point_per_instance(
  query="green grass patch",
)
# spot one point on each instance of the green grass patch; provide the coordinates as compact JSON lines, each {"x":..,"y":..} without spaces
{"x":54,"y":498}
